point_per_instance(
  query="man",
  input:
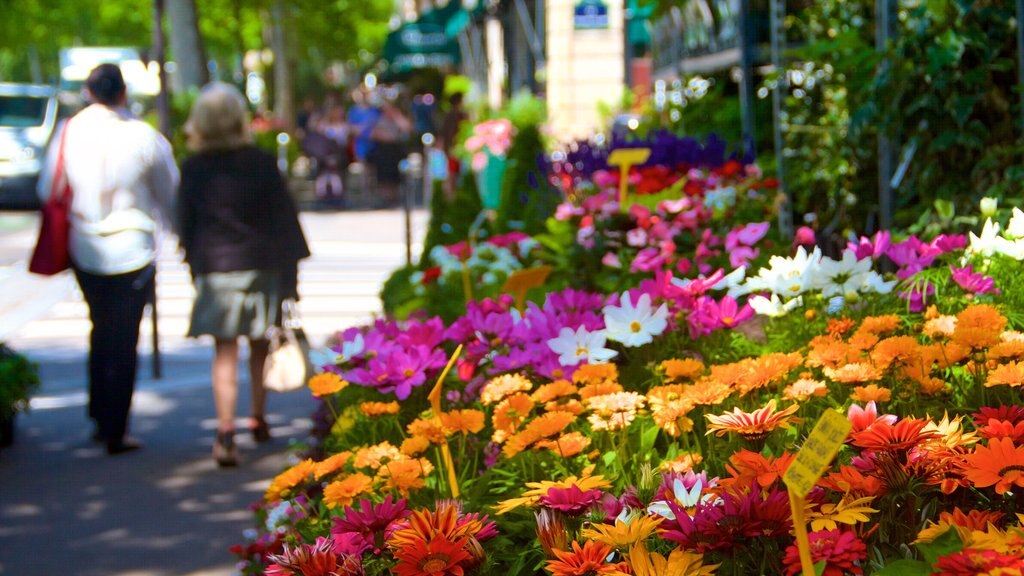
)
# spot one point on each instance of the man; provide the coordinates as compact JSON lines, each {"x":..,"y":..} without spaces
{"x":123,"y":178}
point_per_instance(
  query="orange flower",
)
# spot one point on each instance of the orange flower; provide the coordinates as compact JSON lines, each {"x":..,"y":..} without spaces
{"x":836,"y":327}
{"x":438,"y":555}
{"x":1009,"y":374}
{"x":880,"y":324}
{"x":371,"y":409}
{"x":342,"y":492}
{"x":681,"y":464}
{"x":1012,"y":349}
{"x":862,"y":341}
{"x":902,"y":349}
{"x":767,"y":370}
{"x":509,"y":414}
{"x":973,"y":519}
{"x":428,"y":428}
{"x":804,"y":388}
{"x":754,"y":425}
{"x":289,"y":479}
{"x":706,"y":393}
{"x":405,"y":474}
{"x":614,"y":411}
{"x":553,"y":391}
{"x":588,"y":560}
{"x":871,"y":392}
{"x":849,"y":480}
{"x":463,"y":421}
{"x":504,"y":386}
{"x":941,"y":326}
{"x":979,"y":326}
{"x":572,"y":405}
{"x":827,"y":351}
{"x":595,"y":373}
{"x":682,"y":369}
{"x":1000,"y":464}
{"x":331,"y":464}
{"x":901,"y":436}
{"x":374,"y":456}
{"x":746,"y":466}
{"x":544,"y":426}
{"x":671,"y":417}
{"x":426,"y":524}
{"x":853,"y":373}
{"x":326,"y":383}
{"x":566,"y":445}
{"x":599,"y":389}
{"x":661,"y":395}
{"x":414,"y":446}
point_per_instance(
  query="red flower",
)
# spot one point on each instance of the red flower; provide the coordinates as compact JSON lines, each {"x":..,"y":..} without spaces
{"x":1013,"y":414}
{"x":970,"y":562}
{"x":900,"y":437}
{"x":588,"y":560}
{"x":431,"y":274}
{"x":440,"y":557}
{"x":314,"y":560}
{"x":841,"y":551}
{"x":572,"y":500}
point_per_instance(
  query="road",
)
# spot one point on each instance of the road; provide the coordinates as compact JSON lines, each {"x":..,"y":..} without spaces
{"x":165,"y":510}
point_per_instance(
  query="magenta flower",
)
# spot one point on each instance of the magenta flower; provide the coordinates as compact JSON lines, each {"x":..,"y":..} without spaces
{"x":974,"y":282}
{"x":748,"y":235}
{"x":871,"y":248}
{"x":805,"y":237}
{"x":571,"y":501}
{"x":370,"y":521}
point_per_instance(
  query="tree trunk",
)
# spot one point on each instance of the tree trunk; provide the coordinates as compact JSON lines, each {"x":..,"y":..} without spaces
{"x":187,"y":44}
{"x":284,"y":103}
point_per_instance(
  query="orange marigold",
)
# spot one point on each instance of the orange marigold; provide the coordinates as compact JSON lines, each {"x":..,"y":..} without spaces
{"x":706,"y":392}
{"x":414,"y":446}
{"x":804,"y":388}
{"x":504,"y":386}
{"x":544,"y":426}
{"x":895,"y":349}
{"x":463,"y":421}
{"x":672,"y":417}
{"x":880,"y":324}
{"x":599,"y":389}
{"x":871,"y":392}
{"x":594,"y":373}
{"x":374,"y":456}
{"x":331,"y":464}
{"x":509,"y":414}
{"x":342,"y":492}
{"x":326,"y":383}
{"x":428,"y":428}
{"x":979,"y":326}
{"x":566,"y":445}
{"x":1009,"y":374}
{"x":615,"y":402}
{"x":289,"y":479}
{"x":682,"y":464}
{"x":862,"y":341}
{"x":940,"y":327}
{"x":553,"y":391}
{"x":1007,"y":349}
{"x":682,"y":369}
{"x":853,"y":373}
{"x":372,"y":409}
{"x":839,"y":326}
{"x":405,"y":474}
{"x":571,"y":405}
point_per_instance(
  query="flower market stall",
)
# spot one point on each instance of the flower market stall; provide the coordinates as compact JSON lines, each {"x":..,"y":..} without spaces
{"x":641,"y":412}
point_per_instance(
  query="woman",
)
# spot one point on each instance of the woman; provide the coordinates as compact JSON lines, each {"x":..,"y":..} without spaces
{"x":243,"y":241}
{"x":389,"y":137}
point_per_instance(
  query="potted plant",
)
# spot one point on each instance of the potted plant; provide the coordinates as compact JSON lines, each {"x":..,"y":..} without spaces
{"x":19,"y":378}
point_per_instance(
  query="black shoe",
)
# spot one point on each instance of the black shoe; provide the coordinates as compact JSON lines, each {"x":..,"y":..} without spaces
{"x":122,"y":445}
{"x":260,"y":430}
{"x":98,"y":437}
{"x":224,"y":450}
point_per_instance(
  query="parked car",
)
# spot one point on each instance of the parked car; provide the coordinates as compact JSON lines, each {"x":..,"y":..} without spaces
{"x":28,"y":114}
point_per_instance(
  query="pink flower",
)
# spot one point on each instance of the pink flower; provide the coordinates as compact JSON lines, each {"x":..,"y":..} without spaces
{"x":572,"y":500}
{"x":742,"y":255}
{"x":841,"y":551}
{"x":611,"y":260}
{"x":805,"y":237}
{"x":871,"y":248}
{"x":636,"y":237}
{"x":863,"y":418}
{"x":974,"y":282}
{"x":747,"y":235}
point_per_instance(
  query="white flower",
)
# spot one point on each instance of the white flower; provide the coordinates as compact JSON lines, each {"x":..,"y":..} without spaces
{"x":989,"y":206}
{"x":574,"y":347}
{"x":841,"y":277}
{"x":773,"y":307}
{"x":350,"y":349}
{"x":635,"y":325}
{"x":875,"y":282}
{"x":788,"y":276}
{"x":685,"y":498}
{"x":989,"y":242}
{"x":1015,"y":229}
{"x":733,"y":281}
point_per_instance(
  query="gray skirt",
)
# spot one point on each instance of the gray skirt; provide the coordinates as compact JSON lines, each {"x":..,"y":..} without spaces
{"x":233,"y":304}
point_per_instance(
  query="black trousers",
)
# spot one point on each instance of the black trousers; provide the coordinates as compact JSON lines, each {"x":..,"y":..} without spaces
{"x":115,"y":309}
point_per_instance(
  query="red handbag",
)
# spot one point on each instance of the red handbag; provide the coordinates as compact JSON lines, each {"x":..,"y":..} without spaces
{"x":51,"y":252}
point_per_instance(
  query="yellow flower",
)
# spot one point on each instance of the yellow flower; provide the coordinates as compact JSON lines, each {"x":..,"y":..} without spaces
{"x":624,"y":534}
{"x":678,"y":563}
{"x":682,"y":369}
{"x":371,"y":409}
{"x":289,"y":479}
{"x":503,"y":386}
{"x":848,"y":511}
{"x":584,"y":482}
{"x":326,"y":383}
{"x":870,"y":393}
{"x":342,"y":492}
{"x":331,"y":464}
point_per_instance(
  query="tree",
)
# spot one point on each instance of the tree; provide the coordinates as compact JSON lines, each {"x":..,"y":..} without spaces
{"x":186,"y":43}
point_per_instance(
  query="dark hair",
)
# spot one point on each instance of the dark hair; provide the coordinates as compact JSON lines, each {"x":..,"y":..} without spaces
{"x":106,"y":84}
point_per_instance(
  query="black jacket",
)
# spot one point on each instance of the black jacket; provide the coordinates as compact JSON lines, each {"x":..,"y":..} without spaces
{"x":234,"y":213}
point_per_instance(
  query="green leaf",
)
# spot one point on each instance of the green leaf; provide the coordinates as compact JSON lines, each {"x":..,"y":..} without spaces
{"x":647,"y":440}
{"x":948,"y":543}
{"x":609,"y":457}
{"x":905,"y":568}
{"x":945,"y":209}
{"x":819,"y":567}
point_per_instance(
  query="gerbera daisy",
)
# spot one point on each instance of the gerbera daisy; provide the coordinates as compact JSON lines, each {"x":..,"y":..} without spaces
{"x":438,"y":556}
{"x":863,"y":418}
{"x":752,"y":426}
{"x":463,"y":421}
{"x":372,"y":409}
{"x":555,"y":390}
{"x":899,"y":437}
{"x":503,"y":386}
{"x":509,"y":414}
{"x":370,"y":520}
{"x":871,"y":393}
{"x":289,"y":479}
{"x":584,"y":482}
{"x":586,"y":560}
{"x":979,"y":326}
{"x":446,"y":520}
{"x":682,"y":369}
{"x":623,"y":534}
{"x":1012,"y":413}
{"x":950,"y":433}
{"x":678,"y":563}
{"x":342,"y":492}
{"x":567,"y":445}
{"x":551,"y":531}
{"x":841,"y":551}
{"x":746,"y":467}
{"x":317,"y":559}
{"x":1009,"y":374}
{"x":331,"y":464}
{"x":326,"y":383}
{"x":1000,"y":464}
{"x":570,"y":501}
{"x":804,"y":388}
{"x":971,"y":562}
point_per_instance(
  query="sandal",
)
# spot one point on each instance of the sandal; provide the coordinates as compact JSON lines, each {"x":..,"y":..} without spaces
{"x":260,"y":430}
{"x":224,"y":450}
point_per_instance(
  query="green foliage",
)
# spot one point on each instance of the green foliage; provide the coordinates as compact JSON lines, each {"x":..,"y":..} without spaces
{"x":527,"y":200}
{"x":451,"y":219}
{"x":19,"y":379}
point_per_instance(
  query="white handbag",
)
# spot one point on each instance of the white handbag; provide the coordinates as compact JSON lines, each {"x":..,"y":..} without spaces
{"x":287,"y":367}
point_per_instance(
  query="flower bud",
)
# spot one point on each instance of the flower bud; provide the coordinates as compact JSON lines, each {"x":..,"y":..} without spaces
{"x":989,"y":207}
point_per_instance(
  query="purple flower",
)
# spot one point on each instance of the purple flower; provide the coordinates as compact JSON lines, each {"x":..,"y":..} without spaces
{"x":871,"y":248}
{"x":974,"y":282}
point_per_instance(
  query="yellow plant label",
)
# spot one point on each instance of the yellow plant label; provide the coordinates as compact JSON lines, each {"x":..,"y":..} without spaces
{"x":817,"y":453}
{"x":520,"y":281}
{"x":626,"y":158}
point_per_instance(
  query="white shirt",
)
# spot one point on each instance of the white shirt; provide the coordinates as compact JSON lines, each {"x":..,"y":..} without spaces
{"x":123,"y":180}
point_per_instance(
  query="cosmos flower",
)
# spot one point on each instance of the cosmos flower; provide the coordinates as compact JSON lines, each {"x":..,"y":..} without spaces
{"x":581,"y":345}
{"x":634,"y":325}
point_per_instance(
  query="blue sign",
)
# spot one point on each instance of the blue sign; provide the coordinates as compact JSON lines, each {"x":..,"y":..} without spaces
{"x":590,"y":15}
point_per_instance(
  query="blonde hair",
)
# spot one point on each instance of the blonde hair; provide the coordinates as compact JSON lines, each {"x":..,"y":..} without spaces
{"x":219,"y":119}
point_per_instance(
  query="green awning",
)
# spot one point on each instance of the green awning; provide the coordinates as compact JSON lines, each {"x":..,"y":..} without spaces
{"x":637,"y":29}
{"x":430,"y":41}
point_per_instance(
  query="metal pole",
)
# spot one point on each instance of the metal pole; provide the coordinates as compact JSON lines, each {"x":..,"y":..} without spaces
{"x":778,"y":11}
{"x":1020,"y":58}
{"x":747,"y":76}
{"x":627,"y":47}
{"x":154,"y":317}
{"x":883,"y":24}
{"x":164,"y":118}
